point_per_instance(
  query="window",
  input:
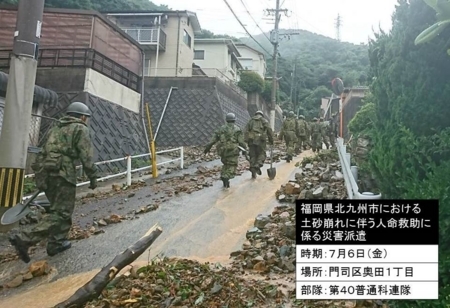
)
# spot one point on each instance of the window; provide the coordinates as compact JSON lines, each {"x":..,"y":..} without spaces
{"x":187,"y":38}
{"x":147,"y":68}
{"x":199,"y":55}
{"x":247,"y":63}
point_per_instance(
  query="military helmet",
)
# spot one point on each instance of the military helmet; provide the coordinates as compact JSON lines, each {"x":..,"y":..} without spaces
{"x":231,"y":117}
{"x":78,"y":108}
{"x":291,"y":113}
{"x":314,"y":119}
{"x":301,"y":116}
{"x":259,"y":112}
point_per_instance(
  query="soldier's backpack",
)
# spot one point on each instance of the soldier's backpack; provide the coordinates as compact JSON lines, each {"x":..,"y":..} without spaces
{"x":256,"y":132}
{"x":302,"y":127}
{"x":228,"y":144}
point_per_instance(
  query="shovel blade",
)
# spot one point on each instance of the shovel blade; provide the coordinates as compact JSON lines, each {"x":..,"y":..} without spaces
{"x":18,"y":211}
{"x":271,"y":172}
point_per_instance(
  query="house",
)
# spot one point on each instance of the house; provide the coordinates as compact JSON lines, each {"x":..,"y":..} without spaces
{"x":167,"y":38}
{"x":85,"y":57}
{"x":252,"y":59}
{"x":218,"y":58}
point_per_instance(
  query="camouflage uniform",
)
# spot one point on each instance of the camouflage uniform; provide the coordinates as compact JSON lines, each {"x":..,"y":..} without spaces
{"x":302,"y":133}
{"x":324,"y":133}
{"x":256,"y":134}
{"x":308,"y":134}
{"x":316,"y":136}
{"x":332,"y":132}
{"x":55,"y":171}
{"x":289,"y":133}
{"x":228,"y":137}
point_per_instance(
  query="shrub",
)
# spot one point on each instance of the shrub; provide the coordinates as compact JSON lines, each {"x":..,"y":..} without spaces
{"x":251,"y":82}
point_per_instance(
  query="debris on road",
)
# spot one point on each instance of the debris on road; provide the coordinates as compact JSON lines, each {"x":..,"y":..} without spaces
{"x":270,"y":245}
{"x":187,"y":283}
{"x":36,"y":269}
{"x":317,"y":177}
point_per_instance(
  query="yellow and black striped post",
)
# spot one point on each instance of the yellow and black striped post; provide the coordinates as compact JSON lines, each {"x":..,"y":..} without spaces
{"x":11,"y":186}
{"x":14,"y":137}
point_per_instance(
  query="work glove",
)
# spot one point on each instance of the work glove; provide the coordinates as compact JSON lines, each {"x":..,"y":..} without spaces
{"x":93,"y":183}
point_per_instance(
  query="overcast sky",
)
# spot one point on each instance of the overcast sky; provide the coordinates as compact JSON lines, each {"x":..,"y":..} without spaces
{"x":318,"y":16}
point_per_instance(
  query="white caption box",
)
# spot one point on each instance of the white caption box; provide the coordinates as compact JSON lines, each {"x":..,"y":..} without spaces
{"x":367,"y":272}
{"x":360,"y":290}
{"x":352,"y":253}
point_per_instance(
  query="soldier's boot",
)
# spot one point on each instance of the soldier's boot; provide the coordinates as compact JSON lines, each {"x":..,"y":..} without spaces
{"x":21,"y":248}
{"x":253,"y":170}
{"x":54,"y":251}
{"x":258,"y":170}
{"x":226,"y":183}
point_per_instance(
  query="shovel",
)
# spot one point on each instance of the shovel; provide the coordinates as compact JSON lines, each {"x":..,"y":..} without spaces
{"x":18,"y":211}
{"x":271,"y":172}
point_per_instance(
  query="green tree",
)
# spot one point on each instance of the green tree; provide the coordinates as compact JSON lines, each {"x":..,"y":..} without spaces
{"x":251,"y":82}
{"x":410,"y":156}
{"x":311,"y":104}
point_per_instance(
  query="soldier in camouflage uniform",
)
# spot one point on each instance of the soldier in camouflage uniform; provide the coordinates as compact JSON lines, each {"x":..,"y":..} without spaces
{"x":289,"y":132}
{"x":324,"y":133}
{"x":332,"y":131}
{"x":228,"y":138}
{"x":257,"y":132}
{"x":302,"y":133}
{"x":55,"y":174}
{"x":308,"y":135}
{"x":316,"y":135}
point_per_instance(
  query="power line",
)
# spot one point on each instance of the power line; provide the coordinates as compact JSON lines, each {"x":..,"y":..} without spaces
{"x":242,"y":1}
{"x":226,"y":2}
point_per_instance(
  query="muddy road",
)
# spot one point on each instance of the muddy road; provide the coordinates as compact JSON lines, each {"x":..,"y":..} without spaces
{"x":206,"y":225}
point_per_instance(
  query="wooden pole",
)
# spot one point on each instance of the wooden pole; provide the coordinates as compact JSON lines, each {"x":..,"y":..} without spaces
{"x":95,"y":286}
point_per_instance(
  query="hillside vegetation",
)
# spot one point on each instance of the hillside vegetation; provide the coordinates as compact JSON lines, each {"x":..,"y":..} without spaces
{"x":409,"y":129}
{"x":318,"y":60}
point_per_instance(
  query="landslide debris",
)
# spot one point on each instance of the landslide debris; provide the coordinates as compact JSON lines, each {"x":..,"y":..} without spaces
{"x":187,"y":283}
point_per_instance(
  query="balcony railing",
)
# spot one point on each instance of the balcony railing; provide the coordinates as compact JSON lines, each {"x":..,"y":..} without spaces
{"x":88,"y":58}
{"x":147,"y":36}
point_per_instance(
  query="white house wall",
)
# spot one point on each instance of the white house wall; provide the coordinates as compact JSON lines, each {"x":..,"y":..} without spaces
{"x":167,"y":60}
{"x":216,"y":58}
{"x":110,"y":90}
{"x":259,"y":65}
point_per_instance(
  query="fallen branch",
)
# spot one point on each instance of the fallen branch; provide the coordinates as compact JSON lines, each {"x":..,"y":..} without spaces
{"x":95,"y":286}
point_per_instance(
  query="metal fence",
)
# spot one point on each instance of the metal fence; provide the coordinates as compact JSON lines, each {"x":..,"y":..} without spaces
{"x":351,"y":174}
{"x":39,"y":127}
{"x":129,"y":169}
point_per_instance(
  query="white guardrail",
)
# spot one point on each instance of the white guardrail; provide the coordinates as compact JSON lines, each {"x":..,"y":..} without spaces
{"x":351,"y":174}
{"x":129,"y":171}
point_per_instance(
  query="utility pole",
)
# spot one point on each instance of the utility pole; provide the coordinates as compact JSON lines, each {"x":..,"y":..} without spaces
{"x":338,"y":27}
{"x":275,"y":42}
{"x":293,"y":84}
{"x":14,"y":138}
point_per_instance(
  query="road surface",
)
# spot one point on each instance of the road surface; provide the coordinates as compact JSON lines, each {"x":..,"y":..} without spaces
{"x":206,"y":225}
